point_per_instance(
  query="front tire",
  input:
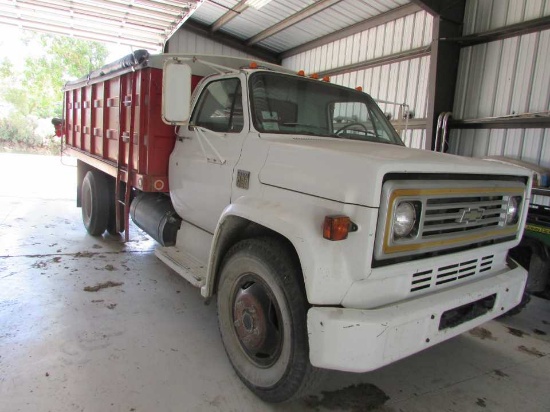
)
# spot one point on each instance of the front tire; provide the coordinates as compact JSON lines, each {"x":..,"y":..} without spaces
{"x":262,"y":312}
{"x":95,"y":202}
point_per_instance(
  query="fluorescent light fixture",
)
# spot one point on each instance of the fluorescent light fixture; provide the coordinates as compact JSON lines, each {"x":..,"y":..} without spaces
{"x":257,"y":4}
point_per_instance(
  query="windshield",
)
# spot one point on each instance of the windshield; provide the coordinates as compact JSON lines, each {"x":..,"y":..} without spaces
{"x":292,"y":105}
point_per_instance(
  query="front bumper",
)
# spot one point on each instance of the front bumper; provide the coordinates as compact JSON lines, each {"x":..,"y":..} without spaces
{"x":356,"y":340}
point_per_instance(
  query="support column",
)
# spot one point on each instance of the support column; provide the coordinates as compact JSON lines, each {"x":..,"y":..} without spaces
{"x":444,"y":57}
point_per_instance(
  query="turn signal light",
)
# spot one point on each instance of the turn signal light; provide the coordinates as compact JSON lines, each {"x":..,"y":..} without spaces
{"x":253,"y":65}
{"x":301,"y":73}
{"x":359,"y":88}
{"x":336,"y":227}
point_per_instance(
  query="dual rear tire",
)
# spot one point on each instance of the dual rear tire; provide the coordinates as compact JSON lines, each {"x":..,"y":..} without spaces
{"x":98,"y":203}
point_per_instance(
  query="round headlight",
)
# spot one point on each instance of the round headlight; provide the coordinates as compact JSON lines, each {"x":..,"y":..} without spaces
{"x":512,"y":213}
{"x":403,"y":219}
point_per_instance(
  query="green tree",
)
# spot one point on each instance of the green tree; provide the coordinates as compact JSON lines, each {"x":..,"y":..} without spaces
{"x":37,"y":90}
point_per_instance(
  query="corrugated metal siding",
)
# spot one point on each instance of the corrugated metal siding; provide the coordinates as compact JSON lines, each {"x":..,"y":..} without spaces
{"x":251,"y":21}
{"x":405,"y":81}
{"x":483,"y":15}
{"x":343,"y":14}
{"x":409,"y":32}
{"x":501,"y":78}
{"x":187,"y":42}
{"x":211,"y":11}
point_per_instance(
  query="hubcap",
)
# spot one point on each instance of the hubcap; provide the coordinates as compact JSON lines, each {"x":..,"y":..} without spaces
{"x":257,"y":322}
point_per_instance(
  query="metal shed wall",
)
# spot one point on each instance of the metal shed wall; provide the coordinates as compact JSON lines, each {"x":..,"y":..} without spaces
{"x":403,"y":81}
{"x":185,"y":41}
{"x":504,"y":77}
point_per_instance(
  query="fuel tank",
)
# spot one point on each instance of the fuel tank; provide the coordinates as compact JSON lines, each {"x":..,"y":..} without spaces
{"x":154,"y":214}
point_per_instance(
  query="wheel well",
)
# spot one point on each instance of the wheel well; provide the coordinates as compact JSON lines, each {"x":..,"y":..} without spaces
{"x":529,"y":246}
{"x":233,"y":230}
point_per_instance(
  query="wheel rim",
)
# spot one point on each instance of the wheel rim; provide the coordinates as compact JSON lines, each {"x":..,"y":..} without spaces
{"x":257,"y":321}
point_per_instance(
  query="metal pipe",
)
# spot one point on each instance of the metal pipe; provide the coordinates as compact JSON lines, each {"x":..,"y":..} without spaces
{"x":437,"y":129}
{"x":445,"y":129}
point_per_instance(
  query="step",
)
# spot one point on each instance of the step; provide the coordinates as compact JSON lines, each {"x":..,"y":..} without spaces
{"x":185,"y":265}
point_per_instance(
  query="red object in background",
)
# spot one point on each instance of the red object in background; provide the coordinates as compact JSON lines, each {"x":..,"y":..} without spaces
{"x":98,"y":126}
{"x":58,"y":125}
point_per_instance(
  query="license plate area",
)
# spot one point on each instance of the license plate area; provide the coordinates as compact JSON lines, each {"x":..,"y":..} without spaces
{"x":457,"y":316}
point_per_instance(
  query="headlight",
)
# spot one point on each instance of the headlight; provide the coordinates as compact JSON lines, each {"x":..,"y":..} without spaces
{"x":404,"y":219}
{"x":512,"y":212}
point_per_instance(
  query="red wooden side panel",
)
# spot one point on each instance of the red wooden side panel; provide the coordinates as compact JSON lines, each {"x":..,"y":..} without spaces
{"x":98,"y":122}
{"x":111,"y":127}
{"x":97,"y":111}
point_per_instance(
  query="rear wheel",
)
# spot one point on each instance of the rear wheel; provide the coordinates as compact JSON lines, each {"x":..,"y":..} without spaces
{"x":95,"y":202}
{"x":262,"y":318}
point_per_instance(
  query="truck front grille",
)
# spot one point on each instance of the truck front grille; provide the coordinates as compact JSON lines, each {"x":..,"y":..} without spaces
{"x":450,"y":215}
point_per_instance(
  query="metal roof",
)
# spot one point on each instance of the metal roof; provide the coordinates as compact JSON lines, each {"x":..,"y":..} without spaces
{"x":139,"y":23}
{"x":276,"y":27}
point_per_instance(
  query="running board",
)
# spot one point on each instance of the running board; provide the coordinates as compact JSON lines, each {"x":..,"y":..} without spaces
{"x":187,"y":266}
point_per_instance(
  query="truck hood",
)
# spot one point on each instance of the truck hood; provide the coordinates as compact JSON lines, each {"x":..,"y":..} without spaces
{"x":352,"y":172}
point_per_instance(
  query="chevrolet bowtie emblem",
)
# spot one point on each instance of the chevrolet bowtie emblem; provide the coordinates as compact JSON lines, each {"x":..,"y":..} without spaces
{"x":470,"y":215}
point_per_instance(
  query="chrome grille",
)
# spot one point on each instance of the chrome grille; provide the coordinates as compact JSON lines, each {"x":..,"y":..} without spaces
{"x":451,"y":215}
{"x":450,"y":273}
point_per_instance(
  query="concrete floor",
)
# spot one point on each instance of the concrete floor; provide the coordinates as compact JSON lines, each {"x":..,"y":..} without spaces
{"x":151,"y":344}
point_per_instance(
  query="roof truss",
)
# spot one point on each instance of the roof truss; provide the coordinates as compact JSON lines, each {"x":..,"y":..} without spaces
{"x":138,"y":23}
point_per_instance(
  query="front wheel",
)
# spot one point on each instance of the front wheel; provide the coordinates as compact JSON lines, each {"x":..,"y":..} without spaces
{"x":262,"y":312}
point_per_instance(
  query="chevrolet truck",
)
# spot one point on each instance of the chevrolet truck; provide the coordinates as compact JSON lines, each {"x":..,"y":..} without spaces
{"x":293,"y":203}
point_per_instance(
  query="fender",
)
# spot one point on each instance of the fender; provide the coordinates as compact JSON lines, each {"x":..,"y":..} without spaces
{"x":323,"y":263}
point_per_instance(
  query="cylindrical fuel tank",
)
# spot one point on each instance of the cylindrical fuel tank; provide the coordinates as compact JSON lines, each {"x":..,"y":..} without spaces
{"x":154,"y":213}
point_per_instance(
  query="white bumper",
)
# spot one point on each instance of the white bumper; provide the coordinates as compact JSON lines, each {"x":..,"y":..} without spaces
{"x":357,"y":340}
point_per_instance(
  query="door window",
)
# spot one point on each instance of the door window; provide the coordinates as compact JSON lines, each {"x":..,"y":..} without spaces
{"x":220,"y":107}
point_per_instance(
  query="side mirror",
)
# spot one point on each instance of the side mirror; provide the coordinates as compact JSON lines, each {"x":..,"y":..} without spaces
{"x":176,"y":93}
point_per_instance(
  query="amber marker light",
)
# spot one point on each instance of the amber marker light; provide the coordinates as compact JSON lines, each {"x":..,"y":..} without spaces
{"x":301,"y":73}
{"x":253,"y":65}
{"x":336,"y":227}
{"x":326,"y":79}
{"x":315,"y":76}
{"x":359,"y":88}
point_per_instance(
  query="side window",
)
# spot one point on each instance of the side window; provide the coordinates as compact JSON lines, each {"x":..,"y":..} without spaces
{"x":220,"y":107}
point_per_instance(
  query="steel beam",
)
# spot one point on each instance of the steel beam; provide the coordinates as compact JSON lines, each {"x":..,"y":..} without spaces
{"x":380,"y":61}
{"x":229,"y":15}
{"x":448,"y":10}
{"x":515,"y":122}
{"x":514,"y":30}
{"x":230,"y":41}
{"x":412,"y":124}
{"x":443,"y":73}
{"x":378,"y":20}
{"x":292,"y":20}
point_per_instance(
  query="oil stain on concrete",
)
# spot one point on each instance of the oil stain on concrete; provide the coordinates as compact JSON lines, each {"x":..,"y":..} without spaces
{"x":355,"y":398}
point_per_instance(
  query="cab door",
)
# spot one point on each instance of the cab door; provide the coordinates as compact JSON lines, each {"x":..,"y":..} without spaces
{"x":206,"y":152}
